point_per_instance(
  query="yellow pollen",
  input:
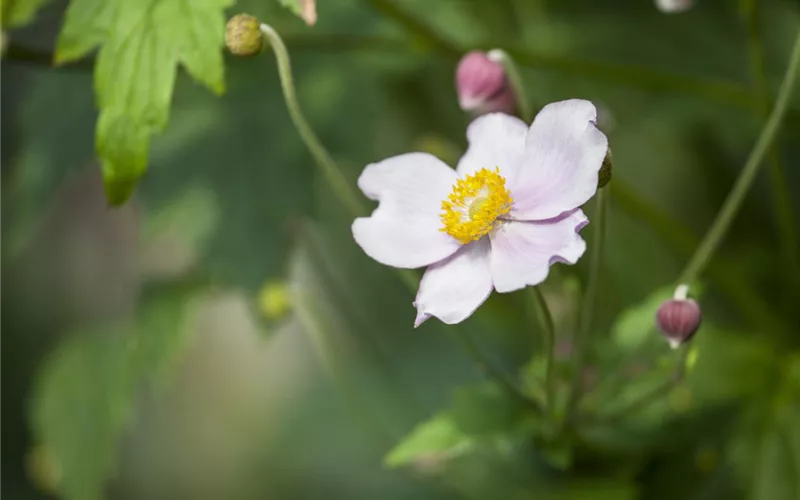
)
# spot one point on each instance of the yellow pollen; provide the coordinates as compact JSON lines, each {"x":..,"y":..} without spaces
{"x":473,"y":207}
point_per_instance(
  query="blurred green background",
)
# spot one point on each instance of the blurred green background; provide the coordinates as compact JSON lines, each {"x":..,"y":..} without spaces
{"x":221,"y":335}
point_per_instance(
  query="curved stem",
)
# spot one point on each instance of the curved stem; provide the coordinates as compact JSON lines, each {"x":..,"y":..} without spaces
{"x":549,"y":330}
{"x":735,"y":198}
{"x":515,"y":80}
{"x":581,"y":338}
{"x":649,"y":397}
{"x":334,"y":176}
{"x":781,"y":198}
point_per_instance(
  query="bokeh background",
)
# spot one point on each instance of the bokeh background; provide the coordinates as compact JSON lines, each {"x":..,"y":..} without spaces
{"x":272,"y":359}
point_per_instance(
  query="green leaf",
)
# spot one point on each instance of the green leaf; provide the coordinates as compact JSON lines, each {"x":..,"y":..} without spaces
{"x":485,"y":409}
{"x":142,"y":43}
{"x":17,"y":13}
{"x":85,"y":393}
{"x":637,"y":324}
{"x":766,"y":449}
{"x":436,"y":438}
{"x":597,"y":489}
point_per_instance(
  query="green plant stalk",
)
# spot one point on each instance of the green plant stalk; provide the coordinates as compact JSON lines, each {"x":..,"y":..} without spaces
{"x":582,"y":338}
{"x":334,"y":176}
{"x":548,"y":328}
{"x":649,"y":397}
{"x":781,"y":199}
{"x":515,"y":80}
{"x":733,"y":202}
{"x":348,"y":197}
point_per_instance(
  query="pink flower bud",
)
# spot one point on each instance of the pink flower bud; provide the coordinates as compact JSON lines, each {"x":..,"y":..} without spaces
{"x":678,"y":318}
{"x":482,"y":85}
{"x":674,"y":6}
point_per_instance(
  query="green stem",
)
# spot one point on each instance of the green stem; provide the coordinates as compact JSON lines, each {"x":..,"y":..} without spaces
{"x":581,"y":338}
{"x":515,"y":80}
{"x":547,"y":326}
{"x":334,"y":176}
{"x":781,"y":199}
{"x":735,"y":198}
{"x":752,"y":306}
{"x":649,"y":397}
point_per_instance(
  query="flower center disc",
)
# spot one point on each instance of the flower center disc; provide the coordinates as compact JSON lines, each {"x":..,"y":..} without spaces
{"x":473,"y":207}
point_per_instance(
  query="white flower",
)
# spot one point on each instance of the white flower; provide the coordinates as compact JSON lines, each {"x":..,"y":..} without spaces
{"x":497,"y":222}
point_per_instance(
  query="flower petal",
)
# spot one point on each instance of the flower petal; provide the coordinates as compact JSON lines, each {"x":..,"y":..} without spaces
{"x":564,"y":152}
{"x":452,"y":289}
{"x":404,"y":231}
{"x":522,"y":252}
{"x":495,"y":140}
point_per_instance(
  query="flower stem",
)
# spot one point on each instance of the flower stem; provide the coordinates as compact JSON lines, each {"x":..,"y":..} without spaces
{"x":515,"y":80}
{"x":581,"y":338}
{"x":781,"y":199}
{"x":733,"y":202}
{"x":649,"y":397}
{"x":333,"y":175}
{"x":548,"y":328}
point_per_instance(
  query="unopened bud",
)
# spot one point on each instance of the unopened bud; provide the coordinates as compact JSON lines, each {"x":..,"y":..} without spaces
{"x":604,"y":175}
{"x":273,"y":300}
{"x":482,"y":85}
{"x":674,"y":6}
{"x":678,"y":318}
{"x":243,"y":35}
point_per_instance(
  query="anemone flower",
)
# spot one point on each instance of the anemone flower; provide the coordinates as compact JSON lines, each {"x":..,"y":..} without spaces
{"x":509,"y":211}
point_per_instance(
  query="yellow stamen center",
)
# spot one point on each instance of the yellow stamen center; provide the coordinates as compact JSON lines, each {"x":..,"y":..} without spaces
{"x":473,"y":207}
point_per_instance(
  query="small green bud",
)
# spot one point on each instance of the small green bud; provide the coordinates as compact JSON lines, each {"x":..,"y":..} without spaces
{"x":273,"y":300}
{"x":243,"y":35}
{"x":604,"y":175}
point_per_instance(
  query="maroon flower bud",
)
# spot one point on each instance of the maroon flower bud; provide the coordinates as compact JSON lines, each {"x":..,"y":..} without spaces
{"x":678,"y":318}
{"x":482,"y":85}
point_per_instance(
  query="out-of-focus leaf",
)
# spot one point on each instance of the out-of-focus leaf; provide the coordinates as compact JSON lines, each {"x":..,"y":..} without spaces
{"x":433,"y":439}
{"x":729,"y":364}
{"x":594,"y":489}
{"x":142,"y":43}
{"x":766,"y":451}
{"x":85,"y":393}
{"x":17,"y":13}
{"x":636,"y":324}
{"x":176,"y":235}
{"x":485,"y":409}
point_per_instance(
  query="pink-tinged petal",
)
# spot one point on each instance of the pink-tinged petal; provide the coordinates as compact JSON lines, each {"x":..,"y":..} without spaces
{"x":495,"y":140}
{"x":564,"y":152}
{"x":522,"y":252}
{"x":452,"y":289}
{"x":404,"y":231}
